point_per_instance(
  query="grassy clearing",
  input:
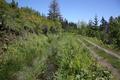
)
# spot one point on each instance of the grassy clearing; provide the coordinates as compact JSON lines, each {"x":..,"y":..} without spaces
{"x":31,"y":57}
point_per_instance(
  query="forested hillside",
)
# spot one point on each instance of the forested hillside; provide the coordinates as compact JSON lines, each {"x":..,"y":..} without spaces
{"x":24,"y":18}
{"x":34,"y":46}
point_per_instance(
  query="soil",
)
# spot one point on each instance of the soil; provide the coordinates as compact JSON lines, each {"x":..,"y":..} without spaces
{"x":49,"y":73}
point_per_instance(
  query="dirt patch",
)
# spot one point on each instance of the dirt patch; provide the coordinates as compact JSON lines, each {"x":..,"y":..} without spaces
{"x":51,"y":68}
{"x":5,"y":39}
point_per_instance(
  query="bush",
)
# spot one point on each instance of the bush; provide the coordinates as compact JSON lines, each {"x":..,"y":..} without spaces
{"x":27,"y":52}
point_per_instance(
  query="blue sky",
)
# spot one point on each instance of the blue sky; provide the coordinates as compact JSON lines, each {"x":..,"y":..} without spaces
{"x":75,"y":10}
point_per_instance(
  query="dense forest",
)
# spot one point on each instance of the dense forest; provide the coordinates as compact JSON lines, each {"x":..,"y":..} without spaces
{"x":34,"y":46}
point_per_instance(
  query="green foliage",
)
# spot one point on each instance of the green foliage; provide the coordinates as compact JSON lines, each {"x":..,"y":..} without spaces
{"x":14,"y":4}
{"x":115,"y":30}
{"x":108,"y":32}
{"x":25,"y":19}
{"x":24,"y":56}
{"x":25,"y":59}
{"x":96,"y":21}
{"x":75,"y":63}
{"x":54,"y":13}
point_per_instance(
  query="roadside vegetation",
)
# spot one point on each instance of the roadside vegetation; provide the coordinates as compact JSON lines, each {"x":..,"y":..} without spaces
{"x":26,"y":58}
{"x":115,"y":62}
{"x":34,"y":46}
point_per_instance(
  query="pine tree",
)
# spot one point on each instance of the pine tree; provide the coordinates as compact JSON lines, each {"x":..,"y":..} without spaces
{"x":54,"y":12}
{"x":14,"y":4}
{"x":103,"y":21}
{"x":90,"y":24}
{"x":96,"y":21}
{"x":103,"y":24}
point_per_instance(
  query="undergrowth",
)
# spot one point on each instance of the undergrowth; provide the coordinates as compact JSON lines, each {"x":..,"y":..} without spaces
{"x":25,"y":59}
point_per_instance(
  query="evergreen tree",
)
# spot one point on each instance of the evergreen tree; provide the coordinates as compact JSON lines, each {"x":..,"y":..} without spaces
{"x":103,"y":24}
{"x":96,"y":21}
{"x":111,"y":19}
{"x":14,"y":4}
{"x":90,"y":24}
{"x":54,"y":12}
{"x":64,"y":24}
{"x":113,"y":31}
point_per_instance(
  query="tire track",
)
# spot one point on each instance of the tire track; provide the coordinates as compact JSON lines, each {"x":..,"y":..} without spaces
{"x":103,"y":62}
{"x":103,"y":49}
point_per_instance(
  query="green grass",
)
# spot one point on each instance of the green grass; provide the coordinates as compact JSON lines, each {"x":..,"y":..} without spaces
{"x":75,"y":63}
{"x":111,"y":59}
{"x":25,"y":59}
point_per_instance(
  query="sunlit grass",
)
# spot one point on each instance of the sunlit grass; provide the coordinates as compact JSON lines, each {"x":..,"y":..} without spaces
{"x":25,"y":59}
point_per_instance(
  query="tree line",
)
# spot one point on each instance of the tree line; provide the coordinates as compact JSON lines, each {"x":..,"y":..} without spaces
{"x":107,"y":31}
{"x":19,"y":19}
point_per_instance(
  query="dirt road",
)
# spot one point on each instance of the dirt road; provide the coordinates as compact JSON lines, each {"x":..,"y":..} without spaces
{"x":102,"y":61}
{"x":107,"y":51}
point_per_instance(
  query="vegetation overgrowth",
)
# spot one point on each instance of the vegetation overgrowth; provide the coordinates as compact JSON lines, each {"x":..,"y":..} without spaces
{"x":115,"y":62}
{"x":24,"y":19}
{"x":25,"y":59}
{"x":38,"y":47}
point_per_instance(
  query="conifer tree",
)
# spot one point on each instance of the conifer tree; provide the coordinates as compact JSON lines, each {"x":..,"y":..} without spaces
{"x":54,"y":12}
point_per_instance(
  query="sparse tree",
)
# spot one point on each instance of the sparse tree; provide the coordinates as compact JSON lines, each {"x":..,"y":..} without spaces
{"x":54,"y":12}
